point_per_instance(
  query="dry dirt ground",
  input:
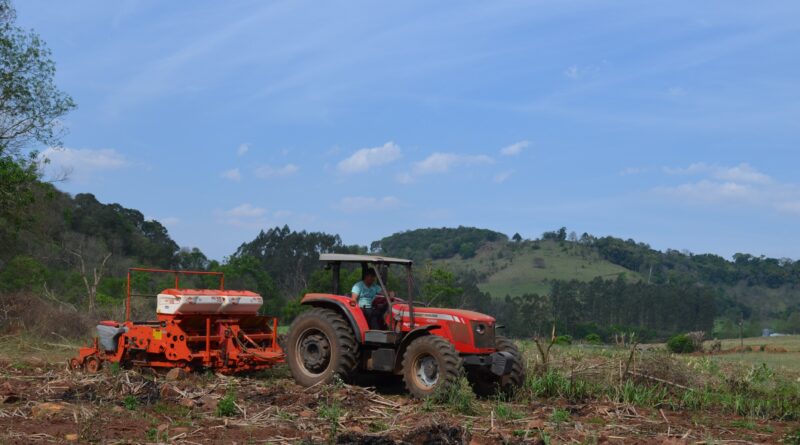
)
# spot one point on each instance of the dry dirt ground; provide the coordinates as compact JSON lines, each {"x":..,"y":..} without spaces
{"x":42,"y":402}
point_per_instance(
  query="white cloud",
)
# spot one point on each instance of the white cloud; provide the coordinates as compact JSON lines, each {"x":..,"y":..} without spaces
{"x":575,"y":72}
{"x":444,"y":162}
{"x":233,"y":174}
{"x":246,"y":210}
{"x":267,"y":172}
{"x":741,"y":173}
{"x":632,"y":171}
{"x":243,"y":149}
{"x":740,"y":186}
{"x":706,"y":191}
{"x":515,"y":148}
{"x":249,"y":216}
{"x":790,"y":207}
{"x":81,"y":163}
{"x":353,"y":204}
{"x":692,"y":169}
{"x":572,"y":72}
{"x":366,"y":158}
{"x":502,"y":176}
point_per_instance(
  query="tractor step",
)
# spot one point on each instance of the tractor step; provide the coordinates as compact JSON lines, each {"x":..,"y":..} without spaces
{"x":381,"y":337}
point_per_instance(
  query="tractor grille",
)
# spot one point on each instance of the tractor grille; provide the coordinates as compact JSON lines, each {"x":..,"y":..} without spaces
{"x":459,"y":331}
{"x":483,"y":333}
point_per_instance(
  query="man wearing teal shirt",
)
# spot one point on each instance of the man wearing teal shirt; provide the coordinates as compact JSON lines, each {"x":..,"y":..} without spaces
{"x":363,"y":294}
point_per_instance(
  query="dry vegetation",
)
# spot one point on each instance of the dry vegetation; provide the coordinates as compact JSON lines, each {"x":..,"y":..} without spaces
{"x":586,"y":396}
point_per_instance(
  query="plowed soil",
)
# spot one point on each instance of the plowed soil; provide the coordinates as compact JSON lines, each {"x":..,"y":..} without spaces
{"x":44,"y":403}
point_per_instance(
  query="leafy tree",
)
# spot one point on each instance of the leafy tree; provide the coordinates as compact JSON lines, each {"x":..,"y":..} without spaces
{"x":517,"y":237}
{"x":467,"y":250}
{"x":440,"y":288}
{"x":605,"y":306}
{"x":22,"y":273}
{"x":91,"y":258}
{"x":290,"y":257}
{"x":30,"y":106}
{"x":125,"y":231}
{"x":246,"y":273}
{"x":31,"y":102}
{"x":423,"y":244}
{"x":191,"y":259}
{"x":558,"y":235}
{"x":18,"y":178}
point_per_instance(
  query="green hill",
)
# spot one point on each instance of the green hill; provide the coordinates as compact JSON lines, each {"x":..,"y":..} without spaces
{"x":509,"y":268}
{"x":765,"y":292}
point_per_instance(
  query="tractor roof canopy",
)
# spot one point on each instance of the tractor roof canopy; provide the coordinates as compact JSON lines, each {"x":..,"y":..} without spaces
{"x":349,"y":258}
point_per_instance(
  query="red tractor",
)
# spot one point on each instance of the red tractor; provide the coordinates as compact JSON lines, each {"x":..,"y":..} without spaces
{"x":429,"y":347}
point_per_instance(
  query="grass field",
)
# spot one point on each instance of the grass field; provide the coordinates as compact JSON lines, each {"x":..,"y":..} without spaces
{"x":509,"y":269}
{"x":783,"y":363}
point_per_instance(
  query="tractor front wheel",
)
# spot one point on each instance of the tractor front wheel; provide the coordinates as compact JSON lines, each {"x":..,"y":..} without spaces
{"x":486,"y":384}
{"x":320,"y":346}
{"x":430,"y":363}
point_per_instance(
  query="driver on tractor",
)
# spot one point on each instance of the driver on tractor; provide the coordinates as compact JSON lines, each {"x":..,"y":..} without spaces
{"x":367,"y":295}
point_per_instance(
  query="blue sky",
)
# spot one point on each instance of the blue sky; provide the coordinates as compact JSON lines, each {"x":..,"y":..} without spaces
{"x":674,"y":123}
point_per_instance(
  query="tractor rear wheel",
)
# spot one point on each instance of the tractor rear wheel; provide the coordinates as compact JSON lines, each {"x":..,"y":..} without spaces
{"x":486,"y":384}
{"x":320,"y":346}
{"x":430,"y":363}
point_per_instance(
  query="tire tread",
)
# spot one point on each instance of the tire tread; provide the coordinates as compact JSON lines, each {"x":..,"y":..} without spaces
{"x":345,"y":338}
{"x":452,"y":362}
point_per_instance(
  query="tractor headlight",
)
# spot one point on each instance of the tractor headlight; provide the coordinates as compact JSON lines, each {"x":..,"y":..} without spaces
{"x":483,"y":334}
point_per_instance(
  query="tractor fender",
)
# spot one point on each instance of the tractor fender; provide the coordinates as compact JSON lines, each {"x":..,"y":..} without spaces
{"x":407,"y":339}
{"x":340,"y":308}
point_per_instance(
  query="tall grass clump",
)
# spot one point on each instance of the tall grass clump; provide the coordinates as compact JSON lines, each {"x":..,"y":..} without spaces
{"x":459,"y":397}
{"x":640,"y":395}
{"x":553,"y":384}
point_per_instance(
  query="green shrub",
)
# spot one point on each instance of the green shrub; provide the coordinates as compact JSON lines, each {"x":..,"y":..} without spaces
{"x":227,"y":405}
{"x":760,"y":373}
{"x":130,"y":402}
{"x":594,"y":339}
{"x":680,"y":344}
{"x":331,"y":412}
{"x":506,"y":412}
{"x":564,"y":340}
{"x":559,"y":415}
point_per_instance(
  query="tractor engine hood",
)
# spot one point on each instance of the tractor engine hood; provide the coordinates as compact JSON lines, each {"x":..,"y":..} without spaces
{"x":445,"y":314}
